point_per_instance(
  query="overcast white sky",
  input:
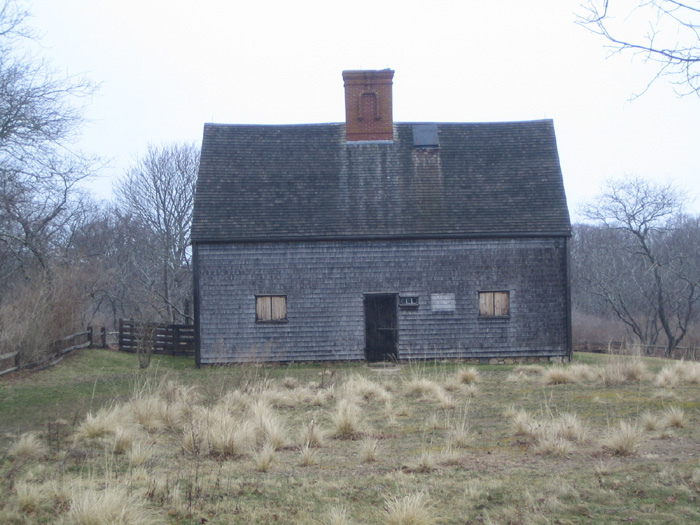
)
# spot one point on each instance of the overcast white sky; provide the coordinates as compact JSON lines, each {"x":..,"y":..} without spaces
{"x":168,"y":66}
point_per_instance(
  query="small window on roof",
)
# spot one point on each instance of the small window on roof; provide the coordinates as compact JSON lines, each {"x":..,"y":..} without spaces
{"x":425,"y":136}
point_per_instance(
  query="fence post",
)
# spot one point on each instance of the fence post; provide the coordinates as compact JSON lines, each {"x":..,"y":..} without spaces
{"x":103,"y":337}
{"x":176,"y":340}
{"x":89,"y":336}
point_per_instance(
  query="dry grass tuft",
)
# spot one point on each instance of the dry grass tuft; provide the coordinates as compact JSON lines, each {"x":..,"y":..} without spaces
{"x":651,"y":421}
{"x":450,"y":456}
{"x":338,"y":516}
{"x":446,"y":402}
{"x":674,"y":417}
{"x":308,"y":456}
{"x":459,"y":435}
{"x":523,"y":423}
{"x":623,"y":440}
{"x":421,"y":386}
{"x":141,"y":453}
{"x":345,"y":420}
{"x":585,"y":373}
{"x":267,"y":427}
{"x":29,"y":497}
{"x":690,"y":372}
{"x":366,"y":389}
{"x":27,"y":447}
{"x":290,"y":383}
{"x":368,"y":450}
{"x":409,"y":510}
{"x":467,"y":376}
{"x":151,"y":412}
{"x":123,"y":440}
{"x":553,"y":445}
{"x":470,"y":390}
{"x":94,"y":426}
{"x":312,"y":434}
{"x":570,"y":427}
{"x":225,"y":436}
{"x":264,"y":458}
{"x":425,"y":463}
{"x":668,"y":377}
{"x":623,"y":370}
{"x":559,"y":375}
{"x":112,"y":505}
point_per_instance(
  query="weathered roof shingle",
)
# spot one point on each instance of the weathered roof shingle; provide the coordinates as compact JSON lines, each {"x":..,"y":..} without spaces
{"x":284,"y":182}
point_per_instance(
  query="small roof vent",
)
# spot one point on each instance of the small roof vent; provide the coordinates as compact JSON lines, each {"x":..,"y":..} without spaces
{"x":425,"y":136}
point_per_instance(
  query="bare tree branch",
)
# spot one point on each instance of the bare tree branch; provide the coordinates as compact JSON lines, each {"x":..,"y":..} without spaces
{"x":663,"y":32}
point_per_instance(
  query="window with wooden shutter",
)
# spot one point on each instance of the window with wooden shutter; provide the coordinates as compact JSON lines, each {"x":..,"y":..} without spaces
{"x":494,"y":304}
{"x":271,"y":308}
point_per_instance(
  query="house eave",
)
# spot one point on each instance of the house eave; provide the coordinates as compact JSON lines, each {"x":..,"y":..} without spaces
{"x":406,"y":237}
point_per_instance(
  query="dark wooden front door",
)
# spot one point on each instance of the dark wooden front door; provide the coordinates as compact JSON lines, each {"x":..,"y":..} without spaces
{"x":381,"y":327}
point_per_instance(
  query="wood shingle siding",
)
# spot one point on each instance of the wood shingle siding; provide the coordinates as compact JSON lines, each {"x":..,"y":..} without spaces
{"x":325,"y":283}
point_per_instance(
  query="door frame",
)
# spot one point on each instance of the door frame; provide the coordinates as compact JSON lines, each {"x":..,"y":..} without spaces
{"x":392,"y":354}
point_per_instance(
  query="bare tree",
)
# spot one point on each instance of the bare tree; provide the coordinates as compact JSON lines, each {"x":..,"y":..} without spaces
{"x":663,"y":32}
{"x":42,"y":296}
{"x":39,"y":172}
{"x":157,"y":193}
{"x":648,"y":267}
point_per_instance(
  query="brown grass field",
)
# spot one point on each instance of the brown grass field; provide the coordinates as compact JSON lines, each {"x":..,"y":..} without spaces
{"x":605,"y":439}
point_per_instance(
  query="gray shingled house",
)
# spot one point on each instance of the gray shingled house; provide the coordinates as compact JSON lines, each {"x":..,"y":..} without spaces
{"x":377,"y":240}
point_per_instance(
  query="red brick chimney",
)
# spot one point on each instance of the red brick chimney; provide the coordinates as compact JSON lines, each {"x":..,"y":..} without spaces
{"x":368,"y":114}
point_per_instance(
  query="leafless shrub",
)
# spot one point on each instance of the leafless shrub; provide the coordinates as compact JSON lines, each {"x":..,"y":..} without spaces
{"x":40,"y":310}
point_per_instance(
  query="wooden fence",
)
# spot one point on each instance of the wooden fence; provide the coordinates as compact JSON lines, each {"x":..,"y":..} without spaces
{"x":58,"y":349}
{"x":687,"y":353}
{"x":171,"y":339}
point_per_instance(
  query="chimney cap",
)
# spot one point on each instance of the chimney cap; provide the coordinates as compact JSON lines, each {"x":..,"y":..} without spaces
{"x":374,"y":74}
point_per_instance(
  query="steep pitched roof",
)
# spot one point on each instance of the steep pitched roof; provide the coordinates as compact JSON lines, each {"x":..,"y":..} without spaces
{"x":283,"y":182}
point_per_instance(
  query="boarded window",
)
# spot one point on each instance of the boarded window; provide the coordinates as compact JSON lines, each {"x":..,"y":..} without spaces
{"x":270,"y":308}
{"x":494,"y":304}
{"x":443,"y":302}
